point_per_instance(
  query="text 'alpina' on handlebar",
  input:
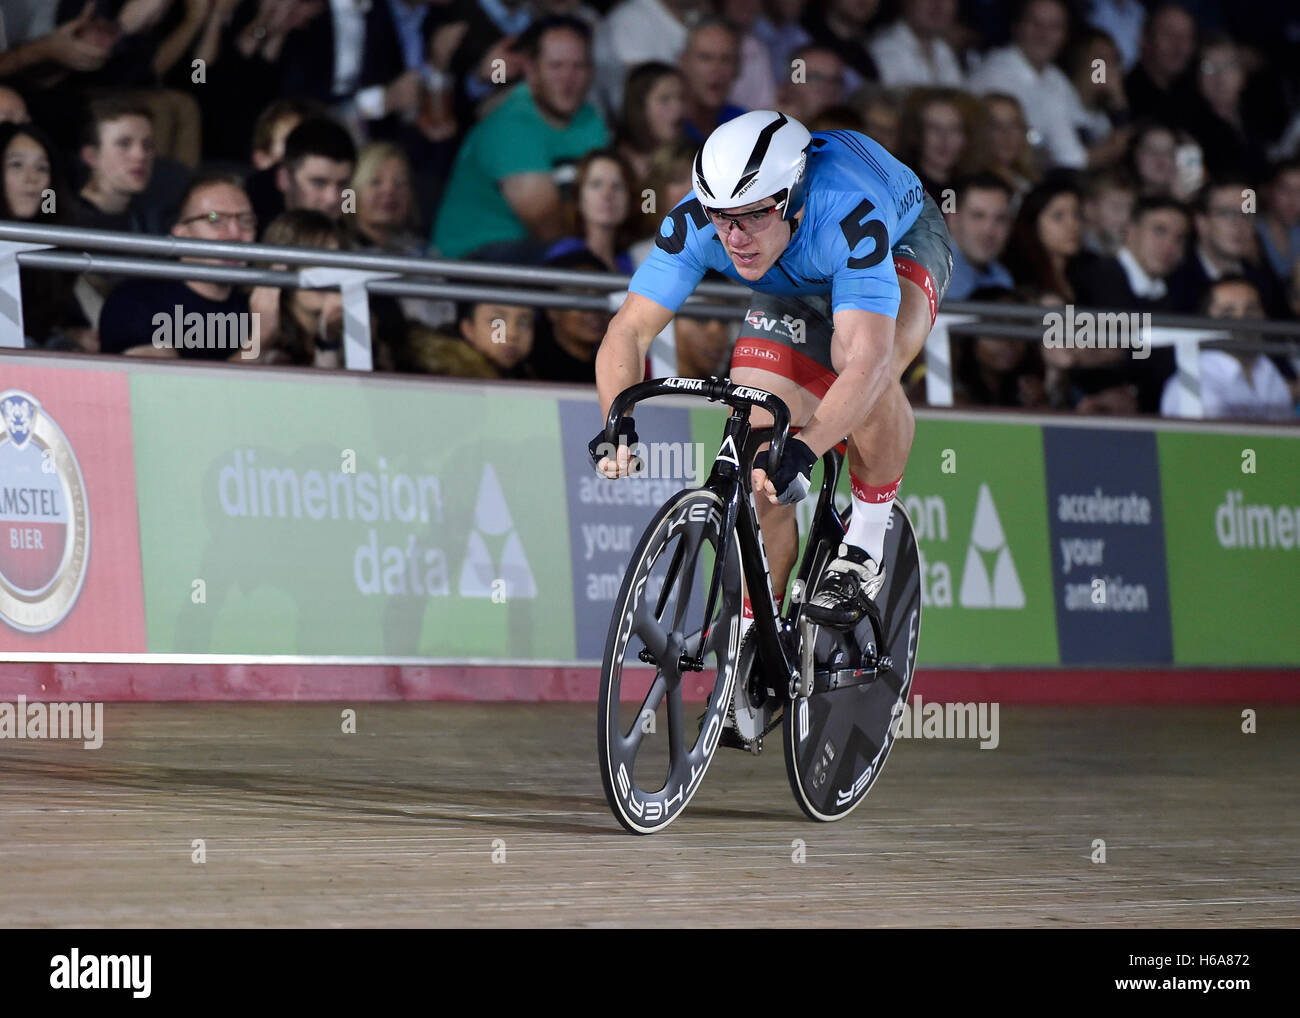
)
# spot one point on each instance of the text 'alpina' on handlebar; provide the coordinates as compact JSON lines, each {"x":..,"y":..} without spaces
{"x":718,"y":390}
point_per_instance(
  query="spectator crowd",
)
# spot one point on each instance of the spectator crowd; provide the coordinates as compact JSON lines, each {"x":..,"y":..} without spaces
{"x":1117,"y":154}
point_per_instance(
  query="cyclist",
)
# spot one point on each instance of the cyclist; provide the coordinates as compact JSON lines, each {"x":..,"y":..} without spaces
{"x":809,"y":222}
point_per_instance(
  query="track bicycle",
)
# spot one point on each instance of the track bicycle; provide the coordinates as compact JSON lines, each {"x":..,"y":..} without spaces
{"x":676,"y":626}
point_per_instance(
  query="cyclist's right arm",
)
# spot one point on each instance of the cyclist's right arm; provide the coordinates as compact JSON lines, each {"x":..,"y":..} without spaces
{"x":660,"y":286}
{"x":620,"y":362}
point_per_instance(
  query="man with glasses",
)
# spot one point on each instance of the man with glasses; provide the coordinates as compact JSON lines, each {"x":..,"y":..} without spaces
{"x":1225,"y":246}
{"x":850,"y":260}
{"x":153,"y":316}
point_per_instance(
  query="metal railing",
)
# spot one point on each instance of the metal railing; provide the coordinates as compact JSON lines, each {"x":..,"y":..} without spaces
{"x":359,"y":274}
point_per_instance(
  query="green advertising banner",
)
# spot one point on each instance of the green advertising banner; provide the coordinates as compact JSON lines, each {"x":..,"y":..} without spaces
{"x":348,"y":518}
{"x":361,"y":518}
{"x":1232,"y":530}
{"x":976,"y":494}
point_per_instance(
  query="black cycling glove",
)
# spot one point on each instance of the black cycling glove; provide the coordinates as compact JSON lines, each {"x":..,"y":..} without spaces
{"x":794,"y":477}
{"x":600,"y":449}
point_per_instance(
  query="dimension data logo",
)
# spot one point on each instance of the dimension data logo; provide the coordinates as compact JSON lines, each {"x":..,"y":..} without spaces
{"x":982,"y":586}
{"x":44,"y":520}
{"x":480,"y":575}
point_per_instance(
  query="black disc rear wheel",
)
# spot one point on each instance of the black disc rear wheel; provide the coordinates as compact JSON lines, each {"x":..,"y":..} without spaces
{"x":836,"y":741}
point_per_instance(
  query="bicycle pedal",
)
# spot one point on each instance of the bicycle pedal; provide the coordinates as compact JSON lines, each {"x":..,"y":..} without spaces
{"x":728,"y":722}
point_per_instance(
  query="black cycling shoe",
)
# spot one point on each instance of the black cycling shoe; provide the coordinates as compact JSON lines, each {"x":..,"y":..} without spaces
{"x":847,"y":590}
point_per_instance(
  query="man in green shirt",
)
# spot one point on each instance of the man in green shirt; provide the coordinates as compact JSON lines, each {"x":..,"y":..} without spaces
{"x":505,"y":184}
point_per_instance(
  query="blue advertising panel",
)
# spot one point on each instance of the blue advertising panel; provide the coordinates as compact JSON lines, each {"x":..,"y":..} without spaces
{"x":1108,"y":550}
{"x":607,"y":517}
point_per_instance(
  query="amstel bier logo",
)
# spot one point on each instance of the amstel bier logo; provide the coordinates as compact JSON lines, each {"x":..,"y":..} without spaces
{"x":44,"y":523}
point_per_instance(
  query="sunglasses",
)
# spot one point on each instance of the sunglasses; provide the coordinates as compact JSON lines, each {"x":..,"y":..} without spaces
{"x":747,"y":222}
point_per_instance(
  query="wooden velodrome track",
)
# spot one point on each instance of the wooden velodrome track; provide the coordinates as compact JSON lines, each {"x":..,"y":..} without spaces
{"x":303,"y":825}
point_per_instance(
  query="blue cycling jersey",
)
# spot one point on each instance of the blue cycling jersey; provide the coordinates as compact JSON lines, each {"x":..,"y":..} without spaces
{"x":860,"y":200}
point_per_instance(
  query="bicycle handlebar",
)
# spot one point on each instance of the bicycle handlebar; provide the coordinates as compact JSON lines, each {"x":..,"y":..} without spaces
{"x":716,"y":390}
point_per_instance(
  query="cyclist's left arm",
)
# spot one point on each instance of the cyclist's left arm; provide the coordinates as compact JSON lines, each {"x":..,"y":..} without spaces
{"x":855,"y":253}
{"x":862,"y":353}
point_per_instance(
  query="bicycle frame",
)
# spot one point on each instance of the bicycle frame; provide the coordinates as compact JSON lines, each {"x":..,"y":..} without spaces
{"x":778,"y":654}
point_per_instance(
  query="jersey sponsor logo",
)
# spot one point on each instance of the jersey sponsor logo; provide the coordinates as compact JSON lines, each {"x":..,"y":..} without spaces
{"x":753,"y":350}
{"x":760,"y":321}
{"x":793,"y":328}
{"x":912,"y":198}
{"x":44,"y":517}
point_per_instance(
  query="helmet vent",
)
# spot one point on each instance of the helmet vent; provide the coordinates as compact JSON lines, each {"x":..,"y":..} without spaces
{"x":761,"y":145}
{"x":699,"y":174}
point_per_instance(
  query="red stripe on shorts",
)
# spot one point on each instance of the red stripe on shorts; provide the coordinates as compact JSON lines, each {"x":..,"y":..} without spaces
{"x":780,"y":359}
{"x":915,"y":273}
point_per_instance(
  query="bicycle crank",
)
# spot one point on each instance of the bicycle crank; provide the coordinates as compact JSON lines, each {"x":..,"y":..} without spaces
{"x":802,"y":685}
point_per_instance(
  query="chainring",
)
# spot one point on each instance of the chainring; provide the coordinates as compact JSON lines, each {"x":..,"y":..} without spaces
{"x":751,"y":720}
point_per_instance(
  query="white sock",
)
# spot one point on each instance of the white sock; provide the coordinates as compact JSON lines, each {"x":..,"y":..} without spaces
{"x":870,"y":517}
{"x":745,"y":622}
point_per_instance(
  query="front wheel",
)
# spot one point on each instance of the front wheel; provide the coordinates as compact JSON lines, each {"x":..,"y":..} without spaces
{"x":652,"y":755}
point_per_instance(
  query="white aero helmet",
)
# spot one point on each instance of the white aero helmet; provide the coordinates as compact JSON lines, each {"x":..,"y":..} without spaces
{"x":759,"y":154}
